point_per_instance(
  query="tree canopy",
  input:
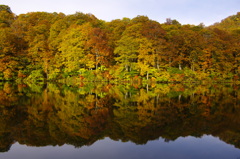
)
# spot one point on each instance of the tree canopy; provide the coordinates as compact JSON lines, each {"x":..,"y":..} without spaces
{"x":79,"y":45}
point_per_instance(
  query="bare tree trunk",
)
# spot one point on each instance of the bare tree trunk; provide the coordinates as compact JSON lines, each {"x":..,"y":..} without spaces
{"x":180,"y":66}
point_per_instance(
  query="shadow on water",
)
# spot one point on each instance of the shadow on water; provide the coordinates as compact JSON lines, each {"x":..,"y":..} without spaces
{"x":57,"y":114}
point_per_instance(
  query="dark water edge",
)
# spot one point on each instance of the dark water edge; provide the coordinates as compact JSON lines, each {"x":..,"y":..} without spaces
{"x":142,"y":121}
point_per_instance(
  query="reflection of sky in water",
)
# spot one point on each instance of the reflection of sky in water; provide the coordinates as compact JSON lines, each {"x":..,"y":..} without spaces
{"x":207,"y":147}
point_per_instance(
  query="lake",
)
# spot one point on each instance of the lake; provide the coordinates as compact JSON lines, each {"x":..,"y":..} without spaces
{"x":102,"y":120}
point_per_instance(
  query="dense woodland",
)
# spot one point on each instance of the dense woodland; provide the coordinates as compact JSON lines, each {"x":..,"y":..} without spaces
{"x":41,"y":46}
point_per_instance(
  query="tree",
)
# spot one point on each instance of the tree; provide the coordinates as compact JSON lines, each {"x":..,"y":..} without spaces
{"x":99,"y":47}
{"x":56,"y":32}
{"x":155,"y":35}
{"x":115,"y":30}
{"x":8,"y":53}
{"x":127,"y":48}
{"x":185,"y":47}
{"x":72,"y":49}
{"x":6,"y":16}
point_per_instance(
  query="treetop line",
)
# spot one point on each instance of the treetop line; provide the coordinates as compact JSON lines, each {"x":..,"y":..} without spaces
{"x":52,"y":46}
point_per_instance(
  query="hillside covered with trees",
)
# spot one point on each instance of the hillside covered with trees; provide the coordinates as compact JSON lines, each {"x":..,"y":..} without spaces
{"x":41,"y":46}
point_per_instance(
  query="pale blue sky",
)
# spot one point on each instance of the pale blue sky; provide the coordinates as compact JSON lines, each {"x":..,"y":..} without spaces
{"x":185,"y":11}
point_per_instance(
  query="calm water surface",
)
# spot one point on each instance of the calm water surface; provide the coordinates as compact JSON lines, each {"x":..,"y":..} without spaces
{"x":119,"y":121}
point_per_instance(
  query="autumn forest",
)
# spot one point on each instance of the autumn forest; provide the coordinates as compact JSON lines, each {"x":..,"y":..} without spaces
{"x":41,"y":46}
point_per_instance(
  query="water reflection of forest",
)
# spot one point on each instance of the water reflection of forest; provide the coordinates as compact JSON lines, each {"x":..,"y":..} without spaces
{"x":41,"y":115}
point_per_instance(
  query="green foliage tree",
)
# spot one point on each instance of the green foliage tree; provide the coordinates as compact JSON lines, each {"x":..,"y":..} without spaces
{"x":72,"y":49}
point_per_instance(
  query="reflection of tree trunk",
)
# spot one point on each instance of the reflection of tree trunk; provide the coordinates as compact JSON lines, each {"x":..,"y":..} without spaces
{"x":179,"y":97}
{"x":96,"y":101}
{"x":46,"y":67}
{"x":169,"y":102}
{"x":192,"y":65}
{"x":169,"y":61}
{"x":156,"y":101}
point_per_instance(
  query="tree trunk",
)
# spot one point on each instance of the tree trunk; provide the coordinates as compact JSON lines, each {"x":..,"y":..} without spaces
{"x":126,"y":68}
{"x":180,"y":66}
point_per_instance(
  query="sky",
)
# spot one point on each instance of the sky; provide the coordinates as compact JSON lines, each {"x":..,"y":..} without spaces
{"x":185,"y":11}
